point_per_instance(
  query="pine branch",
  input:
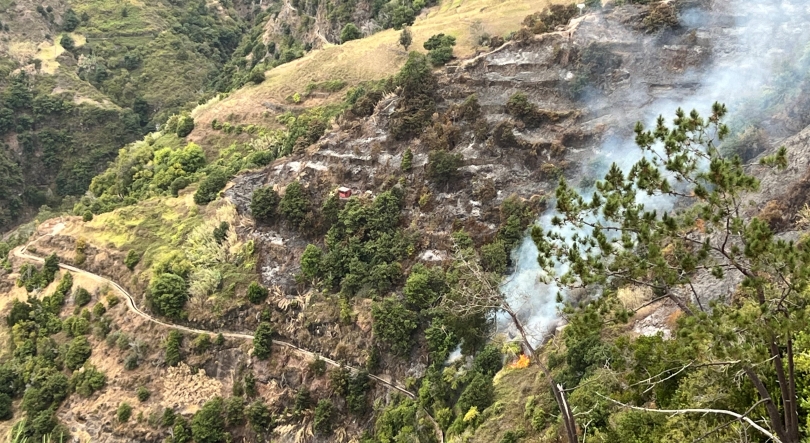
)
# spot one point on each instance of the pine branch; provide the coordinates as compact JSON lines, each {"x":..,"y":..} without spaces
{"x":740,"y":417}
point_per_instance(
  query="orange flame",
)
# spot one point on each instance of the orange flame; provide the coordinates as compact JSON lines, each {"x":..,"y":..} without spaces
{"x":522,"y":362}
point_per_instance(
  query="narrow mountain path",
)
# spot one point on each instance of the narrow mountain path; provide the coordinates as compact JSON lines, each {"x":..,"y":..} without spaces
{"x":22,"y":253}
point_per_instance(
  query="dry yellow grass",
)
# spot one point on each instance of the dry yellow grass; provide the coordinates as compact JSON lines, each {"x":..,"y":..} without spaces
{"x":632,"y":297}
{"x":374,"y":57}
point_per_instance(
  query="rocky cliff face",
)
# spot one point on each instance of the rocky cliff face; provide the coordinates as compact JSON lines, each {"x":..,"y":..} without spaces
{"x":590,"y":82}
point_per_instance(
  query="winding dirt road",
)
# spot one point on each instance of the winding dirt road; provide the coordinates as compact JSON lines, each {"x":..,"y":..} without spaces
{"x":22,"y":253}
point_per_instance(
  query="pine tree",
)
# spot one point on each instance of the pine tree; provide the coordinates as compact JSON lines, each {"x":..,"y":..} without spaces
{"x":405,"y":37}
{"x":622,"y":241}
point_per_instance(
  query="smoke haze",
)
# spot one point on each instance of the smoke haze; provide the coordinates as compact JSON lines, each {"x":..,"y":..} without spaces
{"x":759,"y":51}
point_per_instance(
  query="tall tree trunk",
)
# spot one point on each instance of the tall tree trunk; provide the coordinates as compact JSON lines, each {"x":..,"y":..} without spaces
{"x":773,"y":411}
{"x":556,"y":389}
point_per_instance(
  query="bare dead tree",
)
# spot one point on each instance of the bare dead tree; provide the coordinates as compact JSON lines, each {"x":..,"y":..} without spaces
{"x":478,"y":291}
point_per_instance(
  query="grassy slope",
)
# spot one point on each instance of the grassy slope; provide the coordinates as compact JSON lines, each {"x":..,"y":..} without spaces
{"x":372,"y":58}
{"x":159,"y":228}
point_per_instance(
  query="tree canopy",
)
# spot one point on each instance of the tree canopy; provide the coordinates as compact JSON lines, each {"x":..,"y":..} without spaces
{"x":623,"y":239}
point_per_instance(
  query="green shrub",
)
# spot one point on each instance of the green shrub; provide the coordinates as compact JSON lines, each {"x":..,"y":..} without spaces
{"x":322,"y":421}
{"x":82,"y":297}
{"x":143,"y":394}
{"x":234,"y":411}
{"x":78,"y":352}
{"x":207,"y":426}
{"x":87,"y":216}
{"x":221,"y":232}
{"x":443,"y":166}
{"x":402,"y":15}
{"x":6,"y":411}
{"x":178,"y":185}
{"x":99,"y":310}
{"x":250,"y":384}
{"x":489,"y":361}
{"x":263,"y":341}
{"x":317,"y":366}
{"x":132,"y":259}
{"x":260,"y":418}
{"x":256,"y":76}
{"x":394,"y":324}
{"x":67,"y":42}
{"x":70,"y":21}
{"x":311,"y":261}
{"x":124,"y":412}
{"x":87,"y":381}
{"x":494,"y":257}
{"x":349,"y":33}
{"x":480,"y":393}
{"x":407,"y":160}
{"x":168,"y":417}
{"x":131,"y":361}
{"x":168,"y":294}
{"x":295,"y":204}
{"x":210,"y":186}
{"x":303,"y":400}
{"x":264,"y":204}
{"x":405,"y":38}
{"x":172,"y":348}
{"x":201,"y":344}
{"x":257,"y":293}
{"x":424,"y":287}
{"x":185,"y":124}
{"x":440,"y":49}
{"x":417,"y":105}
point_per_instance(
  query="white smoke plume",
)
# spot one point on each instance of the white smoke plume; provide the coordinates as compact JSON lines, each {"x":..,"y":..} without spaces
{"x":758,"y":50}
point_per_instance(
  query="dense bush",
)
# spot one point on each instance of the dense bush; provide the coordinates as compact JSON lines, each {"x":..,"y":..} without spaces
{"x":311,"y":261}
{"x":143,"y":394}
{"x":124,"y":412}
{"x":221,"y":232}
{"x":443,"y":167}
{"x":257,"y":293}
{"x":495,"y":257}
{"x":210,"y":186}
{"x":264,"y":204}
{"x":185,"y":124}
{"x":407,"y":160}
{"x":234,"y":411}
{"x":87,"y":381}
{"x":132,"y":259}
{"x":6,"y":411}
{"x":168,"y":294}
{"x":365,"y":245}
{"x":349,"y":33}
{"x":480,"y":393}
{"x":81,"y":297}
{"x":172,"y":348}
{"x":260,"y":418}
{"x":78,"y":352}
{"x":352,"y":387}
{"x":549,"y":18}
{"x":394,"y":324}
{"x":424,"y":287}
{"x":417,"y":105}
{"x":324,"y":414}
{"x":201,"y":344}
{"x":263,"y":341}
{"x":440,"y":49}
{"x":295,"y":204}
{"x":207,"y":426}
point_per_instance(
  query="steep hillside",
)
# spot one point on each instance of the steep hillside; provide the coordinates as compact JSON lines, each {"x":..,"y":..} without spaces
{"x":385,"y":229}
